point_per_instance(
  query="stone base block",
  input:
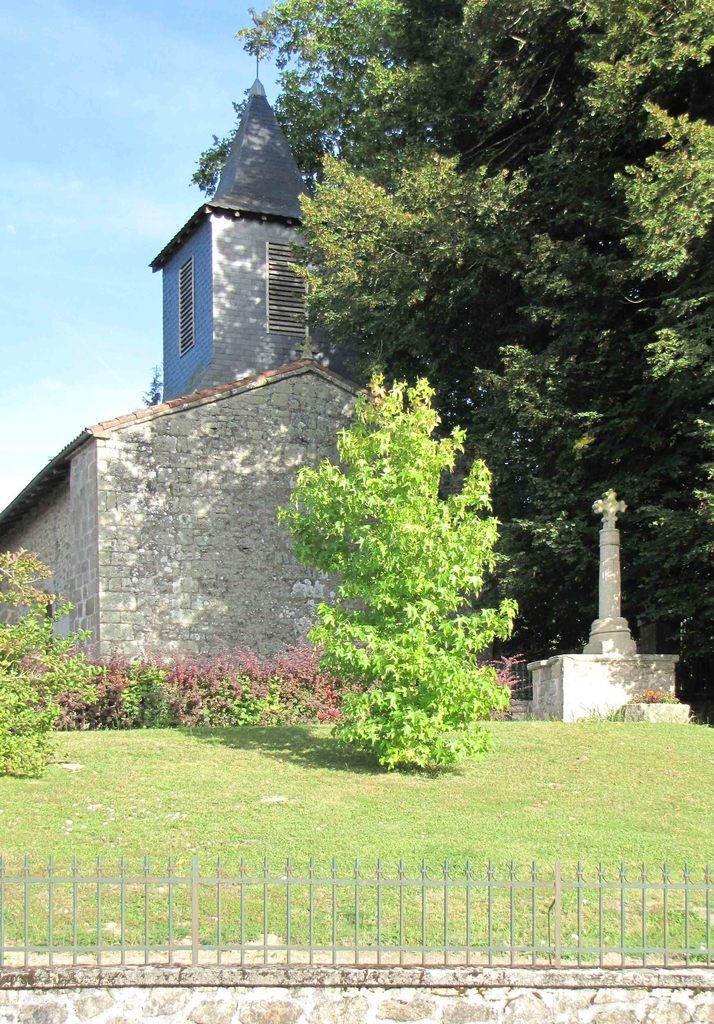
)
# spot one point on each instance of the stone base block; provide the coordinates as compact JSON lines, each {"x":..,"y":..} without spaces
{"x":571,"y":687}
{"x":677,"y":713}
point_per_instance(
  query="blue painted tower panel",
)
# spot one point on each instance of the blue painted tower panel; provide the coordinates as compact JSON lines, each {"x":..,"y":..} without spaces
{"x":182,"y":371}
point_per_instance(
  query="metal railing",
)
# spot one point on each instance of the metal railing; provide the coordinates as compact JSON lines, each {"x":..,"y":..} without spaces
{"x":523,"y":690}
{"x":180,"y":915}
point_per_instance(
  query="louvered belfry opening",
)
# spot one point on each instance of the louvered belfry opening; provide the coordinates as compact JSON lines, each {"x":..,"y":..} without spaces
{"x":187,"y":316}
{"x":286,"y":292}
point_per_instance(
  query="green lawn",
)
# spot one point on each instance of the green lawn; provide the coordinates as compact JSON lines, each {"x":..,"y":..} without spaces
{"x":596,"y":792}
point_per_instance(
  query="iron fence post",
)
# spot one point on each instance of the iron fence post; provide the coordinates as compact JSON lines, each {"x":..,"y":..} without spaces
{"x":557,"y":924}
{"x":194,"y":910}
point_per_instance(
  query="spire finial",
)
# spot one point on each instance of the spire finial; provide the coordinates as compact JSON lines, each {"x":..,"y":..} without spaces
{"x":258,"y":34}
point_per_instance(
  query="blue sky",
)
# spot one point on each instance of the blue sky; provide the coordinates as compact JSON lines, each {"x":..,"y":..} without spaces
{"x":105,"y":108}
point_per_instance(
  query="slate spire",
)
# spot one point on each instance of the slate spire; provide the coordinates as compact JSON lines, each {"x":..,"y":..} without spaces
{"x":260,"y":174}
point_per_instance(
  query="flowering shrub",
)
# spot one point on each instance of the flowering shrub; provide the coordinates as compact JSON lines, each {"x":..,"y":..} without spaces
{"x":511,"y":679}
{"x":507,"y":673}
{"x":654,"y":697}
{"x":237,"y":688}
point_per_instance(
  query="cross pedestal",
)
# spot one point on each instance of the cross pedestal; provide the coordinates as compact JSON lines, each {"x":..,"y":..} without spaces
{"x":572,"y":687}
{"x":609,"y":672}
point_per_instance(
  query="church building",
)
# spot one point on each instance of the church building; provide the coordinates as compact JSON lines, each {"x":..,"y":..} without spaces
{"x":160,"y":526}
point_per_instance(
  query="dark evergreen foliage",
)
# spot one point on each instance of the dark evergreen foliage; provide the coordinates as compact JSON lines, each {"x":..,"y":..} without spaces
{"x":521,"y":209}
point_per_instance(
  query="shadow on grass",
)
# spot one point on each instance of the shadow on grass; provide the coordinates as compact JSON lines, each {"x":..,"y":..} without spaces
{"x":298,"y":744}
{"x":304,"y":745}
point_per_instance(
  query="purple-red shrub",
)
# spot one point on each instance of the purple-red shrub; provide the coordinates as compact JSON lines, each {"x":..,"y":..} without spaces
{"x":507,"y":671}
{"x":227,"y":689}
{"x":234,"y":688}
{"x":306,"y":694}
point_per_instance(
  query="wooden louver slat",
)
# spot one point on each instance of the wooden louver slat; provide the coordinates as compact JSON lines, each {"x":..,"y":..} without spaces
{"x":286,"y":292}
{"x":187,"y":318}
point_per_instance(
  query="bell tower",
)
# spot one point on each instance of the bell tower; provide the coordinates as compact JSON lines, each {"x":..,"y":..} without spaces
{"x":233,"y":305}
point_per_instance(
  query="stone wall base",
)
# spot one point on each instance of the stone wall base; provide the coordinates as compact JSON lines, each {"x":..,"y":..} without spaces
{"x":571,"y":687}
{"x":354,"y":995}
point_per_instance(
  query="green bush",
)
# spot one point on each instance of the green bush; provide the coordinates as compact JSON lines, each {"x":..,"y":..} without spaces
{"x":35,"y":665}
{"x":144,"y":701}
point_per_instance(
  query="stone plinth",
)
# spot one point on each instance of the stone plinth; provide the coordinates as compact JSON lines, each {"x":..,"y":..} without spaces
{"x":610,"y":636}
{"x":673,"y":713}
{"x":571,"y":687}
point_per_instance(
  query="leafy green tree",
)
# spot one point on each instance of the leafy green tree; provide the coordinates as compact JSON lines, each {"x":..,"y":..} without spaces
{"x":515,"y":199}
{"x":405,"y":625}
{"x":35,"y":665}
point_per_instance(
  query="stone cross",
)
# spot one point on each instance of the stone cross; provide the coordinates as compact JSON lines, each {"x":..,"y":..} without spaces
{"x":609,"y":633}
{"x":608,"y":506}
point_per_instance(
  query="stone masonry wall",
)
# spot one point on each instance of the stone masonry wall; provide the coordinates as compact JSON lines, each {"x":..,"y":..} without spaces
{"x":84,"y":541}
{"x":47,"y":532}
{"x":353,"y":995}
{"x":62,"y":531}
{"x":190,"y":553}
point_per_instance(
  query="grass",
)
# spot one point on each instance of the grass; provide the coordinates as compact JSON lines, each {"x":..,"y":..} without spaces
{"x":595,"y":792}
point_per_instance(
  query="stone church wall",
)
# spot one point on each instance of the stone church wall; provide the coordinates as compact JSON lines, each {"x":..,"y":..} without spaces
{"x":46,"y":532}
{"x":84,"y":541}
{"x":62,"y":531}
{"x":190,"y":553}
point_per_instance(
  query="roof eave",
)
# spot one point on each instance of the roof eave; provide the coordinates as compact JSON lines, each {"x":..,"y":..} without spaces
{"x":220,"y":392}
{"x":222,"y":209}
{"x":43,"y":482}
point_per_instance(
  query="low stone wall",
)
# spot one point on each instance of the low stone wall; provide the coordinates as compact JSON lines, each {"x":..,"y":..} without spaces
{"x":355,"y":995}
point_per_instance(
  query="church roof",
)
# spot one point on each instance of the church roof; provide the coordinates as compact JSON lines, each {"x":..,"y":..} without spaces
{"x":57,"y":469}
{"x":260,"y":176}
